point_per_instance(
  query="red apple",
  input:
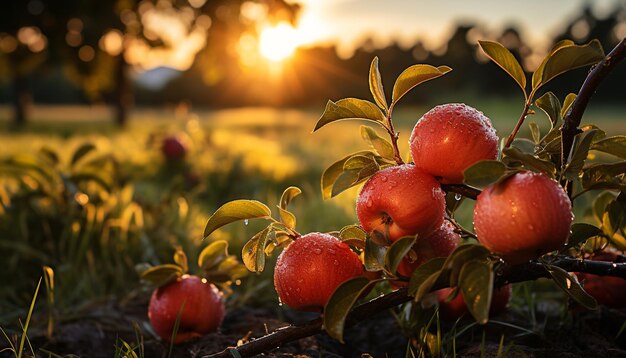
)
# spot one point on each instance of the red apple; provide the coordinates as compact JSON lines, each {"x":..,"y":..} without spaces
{"x":523,"y":217}
{"x":450,"y":138}
{"x":441,"y":243}
{"x":309,"y":270}
{"x":401,"y":201}
{"x":173,"y":148}
{"x":455,"y":308}
{"x":607,"y":290}
{"x":203,"y":310}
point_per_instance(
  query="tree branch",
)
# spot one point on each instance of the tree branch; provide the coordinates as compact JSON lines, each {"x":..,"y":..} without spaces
{"x":511,"y":274}
{"x":464,"y":190}
{"x":574,"y":115}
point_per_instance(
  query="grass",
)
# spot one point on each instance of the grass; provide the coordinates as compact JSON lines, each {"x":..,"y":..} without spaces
{"x":251,"y":153}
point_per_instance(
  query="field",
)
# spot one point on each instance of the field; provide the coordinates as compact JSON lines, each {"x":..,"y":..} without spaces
{"x":251,"y":153}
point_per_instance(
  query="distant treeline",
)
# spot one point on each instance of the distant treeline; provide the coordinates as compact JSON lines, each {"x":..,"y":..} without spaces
{"x":317,"y":74}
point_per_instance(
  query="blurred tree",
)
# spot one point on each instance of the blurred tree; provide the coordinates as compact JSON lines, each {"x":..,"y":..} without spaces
{"x":97,"y":42}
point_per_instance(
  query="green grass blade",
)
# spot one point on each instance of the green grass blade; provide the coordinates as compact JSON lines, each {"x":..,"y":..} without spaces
{"x":30,"y":314}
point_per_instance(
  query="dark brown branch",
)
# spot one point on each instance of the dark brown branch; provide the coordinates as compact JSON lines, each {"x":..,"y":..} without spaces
{"x":525,"y":272}
{"x":574,"y":115}
{"x":464,"y":190}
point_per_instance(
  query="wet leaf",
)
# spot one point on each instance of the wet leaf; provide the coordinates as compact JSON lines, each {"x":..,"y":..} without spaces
{"x":330,"y":175}
{"x":484,"y":173}
{"x":476,"y":283}
{"x":615,"y":145}
{"x":253,"y":252}
{"x":424,"y":277}
{"x":353,"y":233}
{"x":234,"y":211}
{"x":414,"y":76}
{"x":340,"y":304}
{"x":570,"y":285}
{"x":501,"y":56}
{"x":581,"y":150}
{"x":544,"y":166}
{"x":567,"y":58}
{"x":397,"y":251}
{"x":376,"y":84}
{"x":350,"y":108}
{"x":374,"y":256}
{"x":581,"y":232}
{"x":162,"y":274}
{"x":213,"y":254}
{"x":380,"y":145}
{"x":551,"y":106}
{"x":288,"y":196}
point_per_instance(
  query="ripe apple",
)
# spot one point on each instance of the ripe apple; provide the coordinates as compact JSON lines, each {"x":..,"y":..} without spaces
{"x":401,"y":201}
{"x":607,"y":290}
{"x":203,"y":310}
{"x":455,"y":308}
{"x":309,"y":270}
{"x":441,"y":243}
{"x":174,"y":148}
{"x":450,"y":138}
{"x":523,"y":217}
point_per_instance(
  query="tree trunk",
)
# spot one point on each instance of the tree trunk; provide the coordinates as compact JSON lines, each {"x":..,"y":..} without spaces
{"x":123,"y":95}
{"x":21,"y":100}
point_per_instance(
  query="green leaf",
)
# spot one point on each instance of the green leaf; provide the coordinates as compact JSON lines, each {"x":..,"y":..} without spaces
{"x":414,"y":76}
{"x":544,"y":166}
{"x":600,"y":204}
{"x":353,"y":235}
{"x":288,"y":196}
{"x":350,"y":178}
{"x":613,"y":145}
{"x":330,"y":175}
{"x":505,"y":59}
{"x":614,"y":218}
{"x":234,"y":211}
{"x":287,"y":218}
{"x":539,"y":71}
{"x":50,"y":155}
{"x":340,"y":304}
{"x":581,"y":232}
{"x":551,"y":106}
{"x":581,"y":150}
{"x":484,"y":173}
{"x":424,"y":277}
{"x":374,"y":256}
{"x":461,"y":255}
{"x":162,"y":274}
{"x":350,"y":108}
{"x":476,"y":282}
{"x":213,"y":254}
{"x":604,"y":176}
{"x":82,"y":151}
{"x":181,"y":259}
{"x":567,"y":58}
{"x":253,"y":252}
{"x":535,"y":133}
{"x":376,"y":84}
{"x":359,"y":162}
{"x":380,"y":145}
{"x":570,"y":285}
{"x":567,"y":104}
{"x":397,"y":251}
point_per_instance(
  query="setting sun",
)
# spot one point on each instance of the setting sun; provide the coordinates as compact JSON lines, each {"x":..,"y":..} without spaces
{"x":278,"y":42}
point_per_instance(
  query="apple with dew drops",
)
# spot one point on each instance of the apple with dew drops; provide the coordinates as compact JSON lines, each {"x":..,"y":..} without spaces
{"x":401,"y":201}
{"x":309,"y":270}
{"x":449,"y":139}
{"x":523,"y":217}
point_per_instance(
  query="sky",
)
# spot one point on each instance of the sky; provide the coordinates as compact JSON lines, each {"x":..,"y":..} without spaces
{"x":349,"y":22}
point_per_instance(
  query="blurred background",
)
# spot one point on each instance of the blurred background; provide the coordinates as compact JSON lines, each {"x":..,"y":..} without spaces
{"x":91,"y":92}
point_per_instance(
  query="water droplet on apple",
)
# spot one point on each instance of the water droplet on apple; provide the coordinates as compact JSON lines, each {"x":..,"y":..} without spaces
{"x":392,"y":183}
{"x":531,"y":227}
{"x":336,"y":263}
{"x":317,"y":251}
{"x":383,"y":178}
{"x":369,"y":202}
{"x":332,"y":251}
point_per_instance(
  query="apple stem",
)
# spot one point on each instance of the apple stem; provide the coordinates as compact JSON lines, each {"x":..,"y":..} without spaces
{"x":394,"y":136}
{"x":521,"y":119}
{"x":525,"y":272}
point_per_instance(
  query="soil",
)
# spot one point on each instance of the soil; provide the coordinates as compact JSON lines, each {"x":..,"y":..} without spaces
{"x":100,"y":328}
